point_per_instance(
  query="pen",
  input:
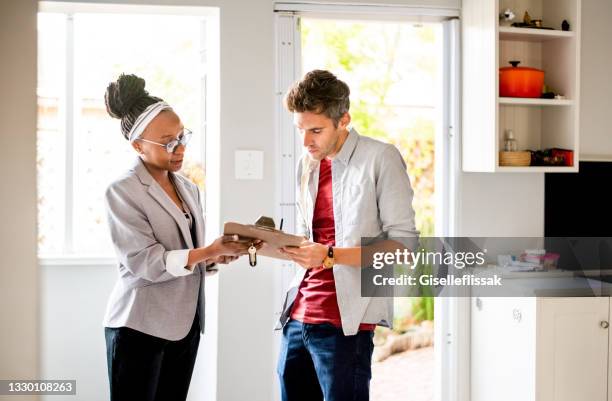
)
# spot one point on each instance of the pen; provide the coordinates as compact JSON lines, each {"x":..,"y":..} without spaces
{"x":281,"y":224}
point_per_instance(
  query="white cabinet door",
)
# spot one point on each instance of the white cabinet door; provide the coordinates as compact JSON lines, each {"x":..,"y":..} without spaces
{"x":610,"y":354}
{"x":572,"y":349}
{"x":503,"y":349}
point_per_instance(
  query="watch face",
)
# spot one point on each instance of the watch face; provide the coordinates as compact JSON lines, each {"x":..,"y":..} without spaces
{"x":328,"y":262}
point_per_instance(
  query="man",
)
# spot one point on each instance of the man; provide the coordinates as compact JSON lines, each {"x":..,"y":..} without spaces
{"x":349,"y":187}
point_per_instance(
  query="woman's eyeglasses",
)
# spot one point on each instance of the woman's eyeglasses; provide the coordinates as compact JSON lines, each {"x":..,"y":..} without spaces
{"x":182,"y":139}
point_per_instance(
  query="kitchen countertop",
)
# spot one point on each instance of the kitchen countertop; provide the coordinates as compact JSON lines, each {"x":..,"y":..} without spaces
{"x":551,"y":283}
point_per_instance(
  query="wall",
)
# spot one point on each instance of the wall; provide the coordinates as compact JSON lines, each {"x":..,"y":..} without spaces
{"x":501,"y":205}
{"x":19,"y":283}
{"x":73,"y":300}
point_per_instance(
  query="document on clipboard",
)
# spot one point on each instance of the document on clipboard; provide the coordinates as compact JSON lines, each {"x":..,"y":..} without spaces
{"x":264,"y":230}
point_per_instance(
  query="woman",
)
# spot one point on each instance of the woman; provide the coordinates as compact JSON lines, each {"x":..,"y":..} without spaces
{"x":156,"y":310}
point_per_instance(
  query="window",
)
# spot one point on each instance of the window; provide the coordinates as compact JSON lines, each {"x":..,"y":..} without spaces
{"x":80,"y":147}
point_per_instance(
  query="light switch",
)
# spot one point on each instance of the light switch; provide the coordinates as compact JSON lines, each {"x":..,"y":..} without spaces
{"x":249,"y":164}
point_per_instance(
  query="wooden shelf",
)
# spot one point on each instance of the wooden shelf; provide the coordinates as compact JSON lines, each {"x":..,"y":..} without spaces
{"x":535,"y":101}
{"x":532,"y":34}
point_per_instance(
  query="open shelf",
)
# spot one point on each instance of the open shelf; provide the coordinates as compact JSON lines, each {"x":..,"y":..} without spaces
{"x":537,"y":127}
{"x":540,"y":123}
{"x":532,"y":34}
{"x":489,"y":44}
{"x":535,"y":101}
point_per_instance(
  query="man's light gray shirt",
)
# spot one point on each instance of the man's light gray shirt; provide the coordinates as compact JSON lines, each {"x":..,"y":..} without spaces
{"x":372,"y":197}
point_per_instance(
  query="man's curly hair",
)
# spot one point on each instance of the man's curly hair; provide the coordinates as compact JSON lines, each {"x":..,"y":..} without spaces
{"x":319,"y":91}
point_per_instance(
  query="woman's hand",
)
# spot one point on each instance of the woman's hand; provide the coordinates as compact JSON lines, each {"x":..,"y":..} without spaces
{"x":308,"y":255}
{"x":233,"y":245}
{"x":224,"y":259}
{"x":224,"y":249}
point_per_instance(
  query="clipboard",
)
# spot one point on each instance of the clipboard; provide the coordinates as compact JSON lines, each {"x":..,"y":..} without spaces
{"x":264,"y":230}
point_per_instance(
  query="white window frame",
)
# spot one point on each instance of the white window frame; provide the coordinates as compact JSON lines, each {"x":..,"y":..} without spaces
{"x":209,"y":124}
{"x":205,"y":386}
{"x":452,"y":351}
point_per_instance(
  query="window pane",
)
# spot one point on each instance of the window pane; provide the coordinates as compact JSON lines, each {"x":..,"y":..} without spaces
{"x":51,"y":135}
{"x":165,"y":51}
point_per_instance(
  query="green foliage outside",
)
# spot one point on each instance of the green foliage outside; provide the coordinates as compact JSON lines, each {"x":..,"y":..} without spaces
{"x":374,"y":59}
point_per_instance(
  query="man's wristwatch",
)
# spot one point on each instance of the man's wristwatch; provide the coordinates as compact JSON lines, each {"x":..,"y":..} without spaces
{"x":328,"y":262}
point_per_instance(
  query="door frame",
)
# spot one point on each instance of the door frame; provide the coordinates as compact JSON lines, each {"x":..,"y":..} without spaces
{"x":452,"y":336}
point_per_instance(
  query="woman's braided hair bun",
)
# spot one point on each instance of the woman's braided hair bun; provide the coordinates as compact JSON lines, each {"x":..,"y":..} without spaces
{"x":126,"y":99}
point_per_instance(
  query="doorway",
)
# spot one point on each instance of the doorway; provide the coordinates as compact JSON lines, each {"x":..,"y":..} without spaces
{"x":394,"y":70}
{"x":403,"y":89}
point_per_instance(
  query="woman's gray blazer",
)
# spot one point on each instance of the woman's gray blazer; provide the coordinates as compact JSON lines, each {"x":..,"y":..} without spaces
{"x":150,"y":233}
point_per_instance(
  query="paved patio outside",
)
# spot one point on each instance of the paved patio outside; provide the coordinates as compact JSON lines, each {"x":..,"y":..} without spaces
{"x":406,"y":376}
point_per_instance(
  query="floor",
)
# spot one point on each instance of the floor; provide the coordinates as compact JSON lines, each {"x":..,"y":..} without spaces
{"x":406,"y":376}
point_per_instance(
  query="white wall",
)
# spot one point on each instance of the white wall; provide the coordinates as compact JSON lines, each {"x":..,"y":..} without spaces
{"x":73,"y":299}
{"x":501,"y":205}
{"x":19,"y":282}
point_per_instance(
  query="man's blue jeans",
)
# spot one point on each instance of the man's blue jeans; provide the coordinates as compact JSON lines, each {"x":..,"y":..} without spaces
{"x":318,"y":360}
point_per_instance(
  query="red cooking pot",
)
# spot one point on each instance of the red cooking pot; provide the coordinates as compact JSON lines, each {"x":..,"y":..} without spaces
{"x":518,"y":81}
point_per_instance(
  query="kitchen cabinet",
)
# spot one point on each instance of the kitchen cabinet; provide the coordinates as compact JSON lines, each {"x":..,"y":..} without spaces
{"x":487,"y":45}
{"x":540,"y":349}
